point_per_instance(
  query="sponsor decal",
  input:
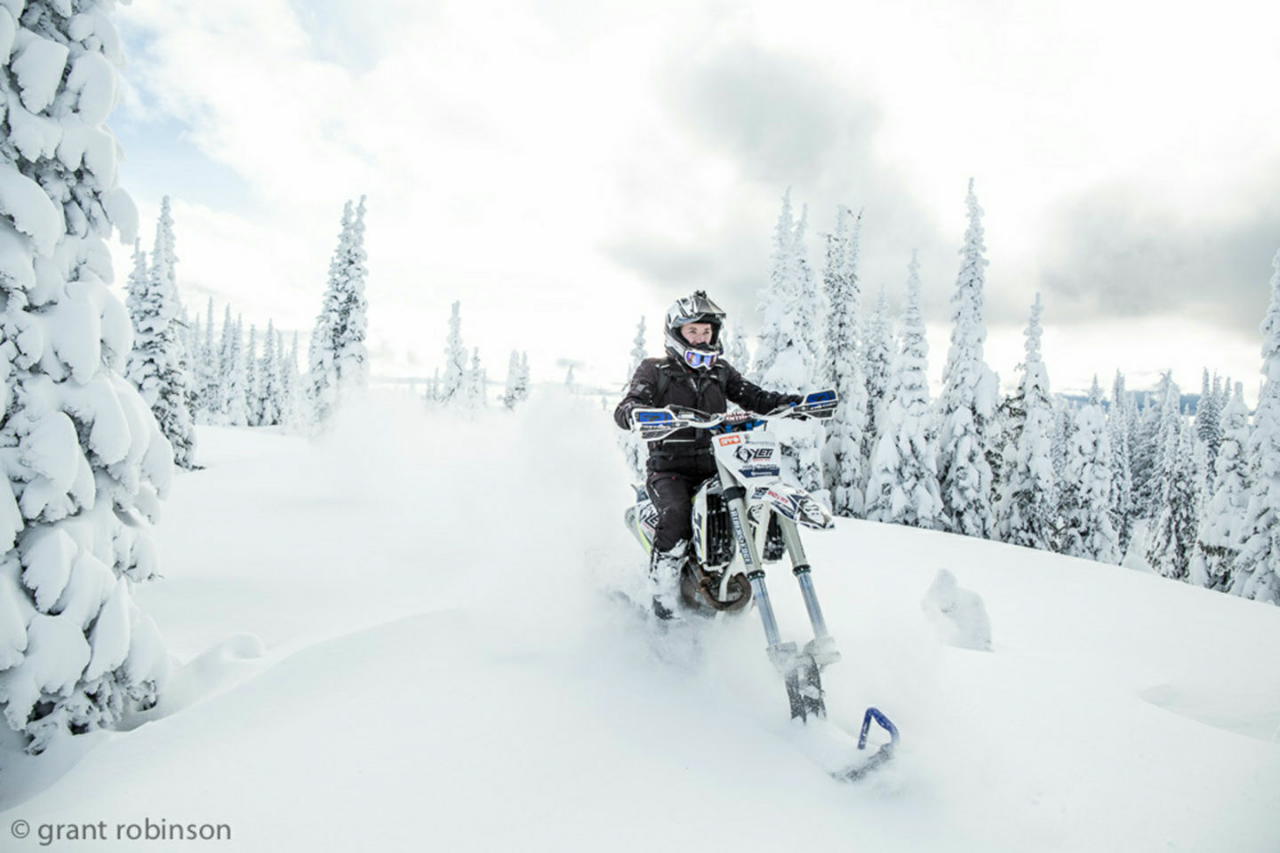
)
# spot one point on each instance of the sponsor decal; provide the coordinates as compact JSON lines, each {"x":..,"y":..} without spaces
{"x":752,"y":454}
{"x":760,"y":471}
{"x":726,"y":440}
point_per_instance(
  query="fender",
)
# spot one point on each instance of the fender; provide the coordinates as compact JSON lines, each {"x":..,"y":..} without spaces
{"x":791,"y":502}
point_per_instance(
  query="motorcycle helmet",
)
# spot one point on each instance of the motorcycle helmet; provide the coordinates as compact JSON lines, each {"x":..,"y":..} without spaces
{"x":697,"y":308}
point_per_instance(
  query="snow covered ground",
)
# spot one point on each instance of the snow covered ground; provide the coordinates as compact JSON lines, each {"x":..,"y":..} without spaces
{"x":399,"y":638}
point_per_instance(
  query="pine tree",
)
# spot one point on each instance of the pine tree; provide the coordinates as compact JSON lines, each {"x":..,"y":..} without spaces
{"x":968,"y":397}
{"x":209,"y":375}
{"x":339,"y":358}
{"x":1172,"y":540}
{"x":788,"y":353}
{"x":453,"y":385}
{"x":1218,"y":540}
{"x":844,"y":458}
{"x":1160,"y":419}
{"x":1257,"y":570}
{"x":476,"y":382}
{"x":634,"y":449}
{"x":291,"y":415}
{"x":269,"y":381}
{"x":736,"y":350}
{"x":1208,"y":424}
{"x":1122,"y":513}
{"x":903,"y":486}
{"x":157,"y":364}
{"x":569,"y":381}
{"x":85,"y":458}
{"x":1085,"y":505}
{"x":252,"y":384}
{"x":513,"y":379}
{"x":1026,"y":510}
{"x":877,"y":357}
{"x":232,"y":372}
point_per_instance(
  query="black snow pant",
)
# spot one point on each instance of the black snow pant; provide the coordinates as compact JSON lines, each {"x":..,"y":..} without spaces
{"x":672,"y":495}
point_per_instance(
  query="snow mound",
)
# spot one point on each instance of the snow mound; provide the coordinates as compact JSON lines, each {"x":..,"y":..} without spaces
{"x":958,"y":615}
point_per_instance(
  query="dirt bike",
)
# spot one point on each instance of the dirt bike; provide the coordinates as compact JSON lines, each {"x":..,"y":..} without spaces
{"x":747,"y":509}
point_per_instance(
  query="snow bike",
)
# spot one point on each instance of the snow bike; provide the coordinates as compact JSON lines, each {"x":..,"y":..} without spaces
{"x":748,"y":509}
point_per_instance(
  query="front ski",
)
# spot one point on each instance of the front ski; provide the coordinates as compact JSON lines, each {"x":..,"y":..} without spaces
{"x":860,"y":770}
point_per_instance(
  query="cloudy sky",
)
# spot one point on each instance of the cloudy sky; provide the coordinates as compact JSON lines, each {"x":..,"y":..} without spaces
{"x":564,"y":167}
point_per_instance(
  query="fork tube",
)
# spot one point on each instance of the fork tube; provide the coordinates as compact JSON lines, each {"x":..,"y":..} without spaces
{"x":735,"y":496}
{"x":800,"y":568}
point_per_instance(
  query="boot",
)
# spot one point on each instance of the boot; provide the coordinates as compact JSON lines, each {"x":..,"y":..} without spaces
{"x":664,"y":579}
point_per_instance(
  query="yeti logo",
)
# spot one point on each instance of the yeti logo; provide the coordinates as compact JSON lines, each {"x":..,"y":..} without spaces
{"x":747,"y":455}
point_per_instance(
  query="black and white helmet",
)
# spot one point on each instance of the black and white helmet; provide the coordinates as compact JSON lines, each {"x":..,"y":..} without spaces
{"x":697,"y":308}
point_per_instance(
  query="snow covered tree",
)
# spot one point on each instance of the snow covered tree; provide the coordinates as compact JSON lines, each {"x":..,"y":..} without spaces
{"x":843,"y":454}
{"x":1085,"y":505}
{"x":1026,"y":511}
{"x":969,"y":394}
{"x":270,"y":394}
{"x":208,"y":375}
{"x":735,"y":349}
{"x":1257,"y":569}
{"x":510,"y":394}
{"x":234,"y":405}
{"x":1172,"y":540}
{"x":339,"y":358}
{"x":1218,"y":540}
{"x":453,"y":384}
{"x":903,"y":485}
{"x":788,"y":352}
{"x":85,"y":458}
{"x":1122,"y":514}
{"x":1208,"y":425}
{"x":253,"y":412}
{"x":1160,"y":419}
{"x":475,"y":391}
{"x":157,"y":363}
{"x":292,"y":416}
{"x":634,"y":449}
{"x":569,"y":381}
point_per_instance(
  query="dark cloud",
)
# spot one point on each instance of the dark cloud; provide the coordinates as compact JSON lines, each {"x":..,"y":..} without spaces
{"x":1114,"y":252}
{"x":783,"y":121}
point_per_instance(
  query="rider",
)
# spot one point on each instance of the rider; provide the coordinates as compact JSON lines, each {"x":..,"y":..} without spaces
{"x":696,"y":377}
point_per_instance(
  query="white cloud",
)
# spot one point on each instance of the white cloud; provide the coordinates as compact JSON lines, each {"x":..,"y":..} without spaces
{"x":506,"y":146}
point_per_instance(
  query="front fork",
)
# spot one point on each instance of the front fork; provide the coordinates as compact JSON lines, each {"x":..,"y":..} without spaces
{"x":801,"y":670}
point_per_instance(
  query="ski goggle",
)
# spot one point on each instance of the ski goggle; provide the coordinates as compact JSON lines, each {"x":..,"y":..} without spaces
{"x":693,"y":358}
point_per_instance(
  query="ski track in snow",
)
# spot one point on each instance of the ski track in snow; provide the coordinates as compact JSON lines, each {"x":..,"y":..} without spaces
{"x":402,"y":636}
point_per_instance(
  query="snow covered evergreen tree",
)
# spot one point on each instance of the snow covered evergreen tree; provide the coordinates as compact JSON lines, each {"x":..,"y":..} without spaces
{"x":157,"y":363}
{"x":453,"y":384}
{"x":1122,"y":512}
{"x":1172,"y":540}
{"x":1085,"y":504}
{"x":339,"y":358}
{"x":209,"y":374}
{"x":270,"y":393}
{"x":736,"y":350}
{"x":968,"y":398}
{"x":476,"y":382}
{"x":903,"y":485}
{"x":252,"y":385}
{"x":570,"y":382}
{"x":1218,"y":540}
{"x":85,"y":458}
{"x":791,"y":311}
{"x":234,"y":408}
{"x":634,"y":448}
{"x":844,"y":459}
{"x":1257,"y":569}
{"x":1208,"y":424}
{"x":788,"y":352}
{"x":1158,"y":424}
{"x":1026,"y":512}
{"x":513,"y":377}
{"x":292,"y":416}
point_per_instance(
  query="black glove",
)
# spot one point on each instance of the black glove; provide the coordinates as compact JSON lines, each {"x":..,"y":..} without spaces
{"x":793,"y":399}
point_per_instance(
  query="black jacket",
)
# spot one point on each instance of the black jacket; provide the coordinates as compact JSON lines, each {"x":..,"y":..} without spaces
{"x":706,"y":390}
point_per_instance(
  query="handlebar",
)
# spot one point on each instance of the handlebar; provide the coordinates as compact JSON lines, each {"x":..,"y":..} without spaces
{"x":653,"y":424}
